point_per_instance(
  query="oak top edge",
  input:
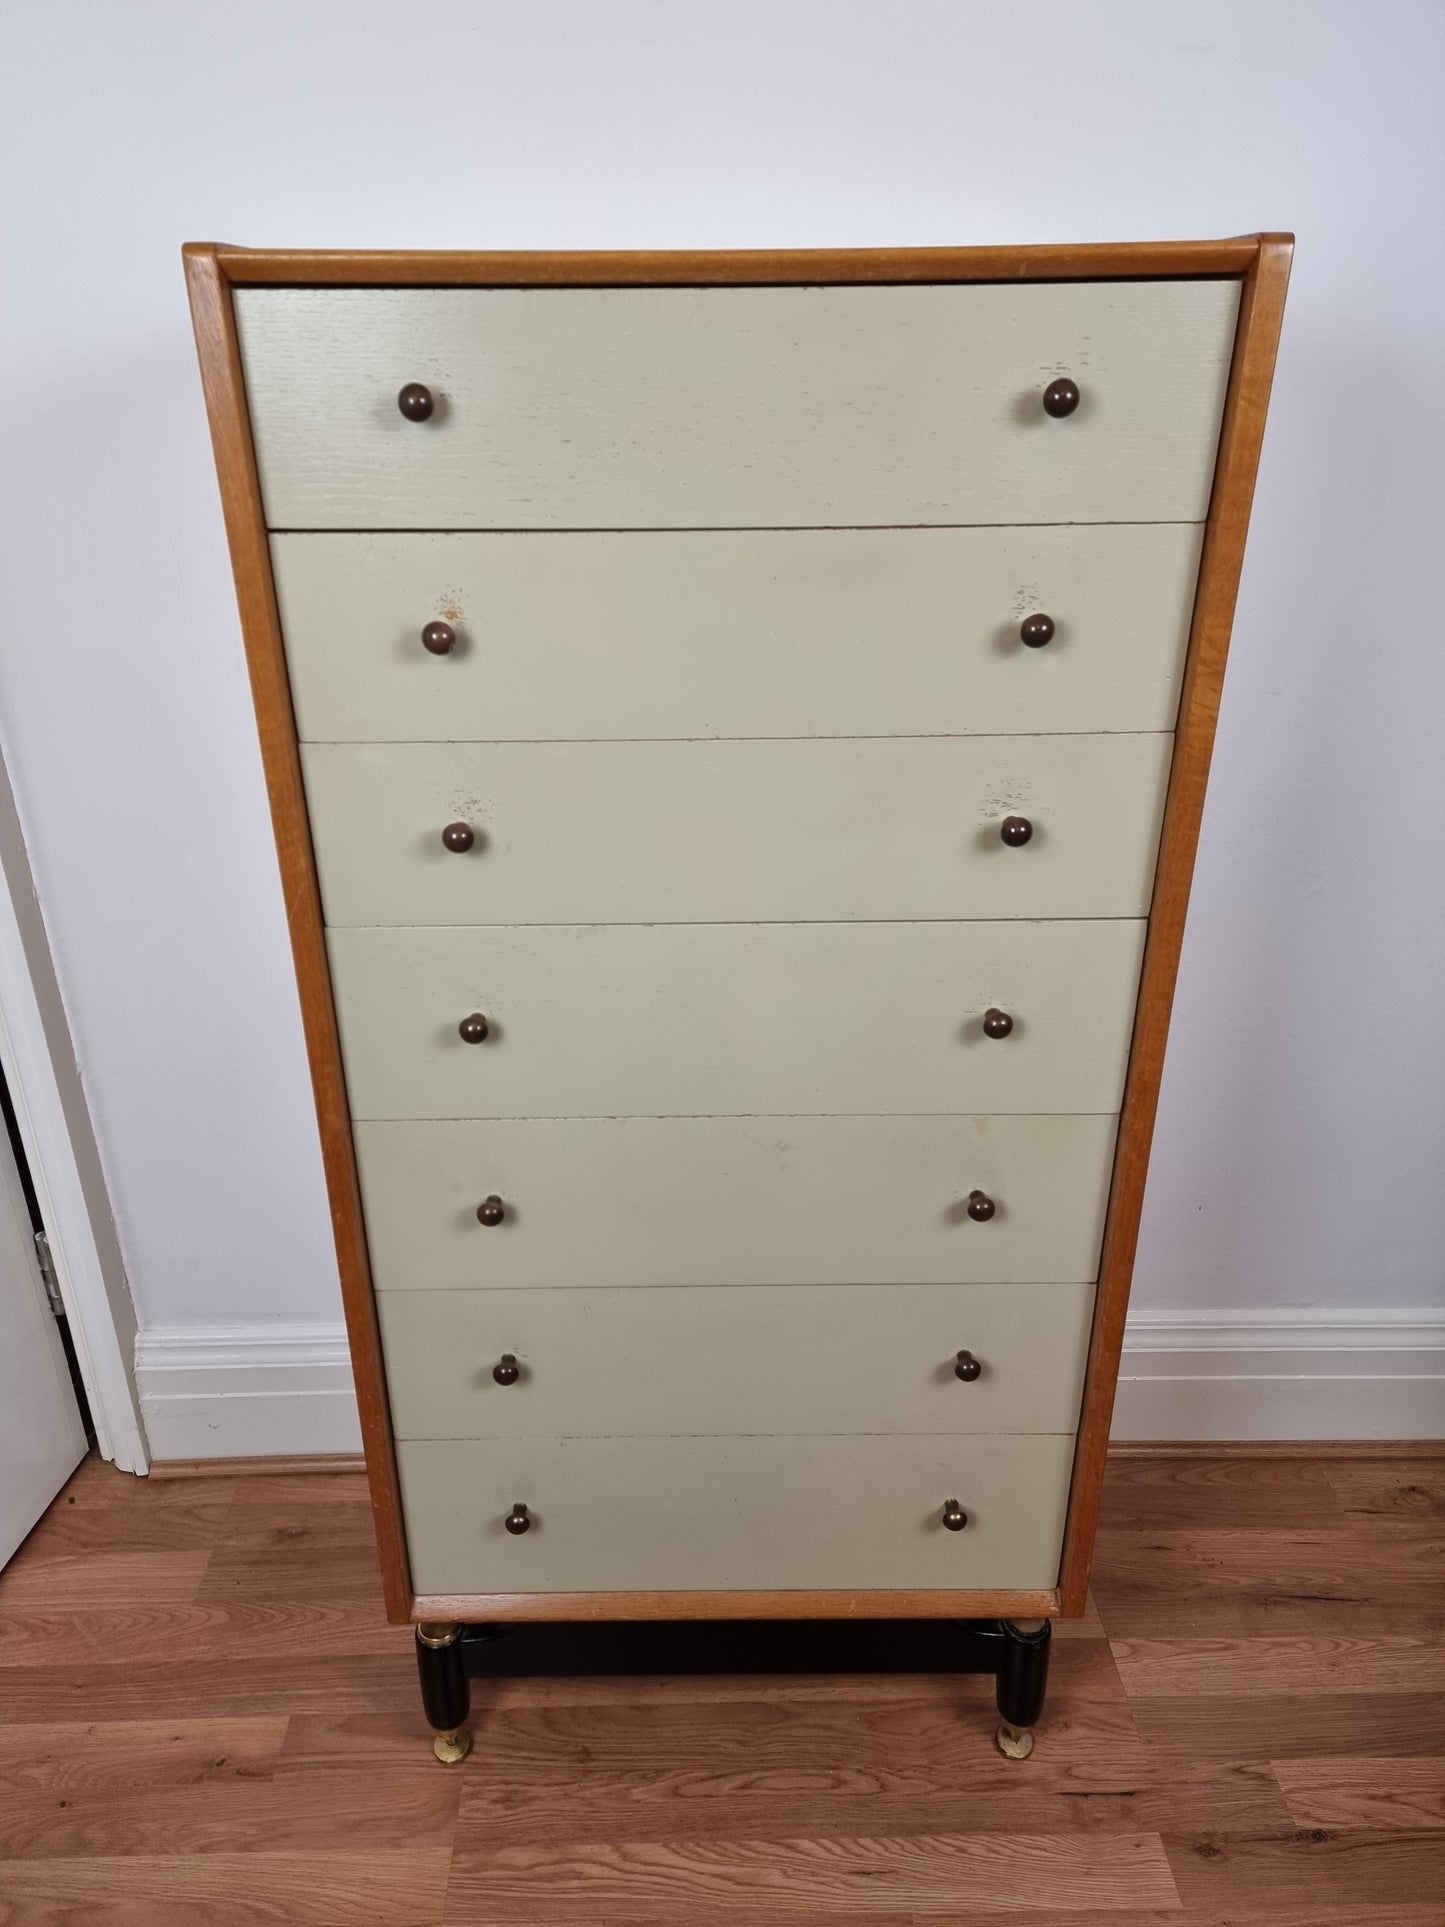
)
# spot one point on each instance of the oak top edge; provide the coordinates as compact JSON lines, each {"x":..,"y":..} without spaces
{"x":303,"y":267}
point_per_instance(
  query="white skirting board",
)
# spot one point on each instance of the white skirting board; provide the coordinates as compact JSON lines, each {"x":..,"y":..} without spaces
{"x":252,"y":1391}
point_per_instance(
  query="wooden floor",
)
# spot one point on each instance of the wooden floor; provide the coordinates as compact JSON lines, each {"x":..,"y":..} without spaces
{"x":204,"y":1722}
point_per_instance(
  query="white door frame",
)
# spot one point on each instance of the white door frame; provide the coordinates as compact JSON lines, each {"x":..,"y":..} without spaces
{"x":48,"y":1097}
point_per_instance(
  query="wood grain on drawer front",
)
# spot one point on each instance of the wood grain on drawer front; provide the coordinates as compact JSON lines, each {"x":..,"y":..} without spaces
{"x":734,"y":1513}
{"x":614,"y":1020}
{"x":761,"y":632}
{"x":736,"y":407}
{"x":734,"y":1358}
{"x":736,"y":831}
{"x":734,"y":1201}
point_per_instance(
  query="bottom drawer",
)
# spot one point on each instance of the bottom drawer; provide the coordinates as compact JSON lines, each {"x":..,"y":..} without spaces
{"x":734,"y":1514}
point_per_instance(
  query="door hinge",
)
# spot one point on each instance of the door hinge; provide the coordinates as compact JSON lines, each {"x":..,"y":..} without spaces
{"x":47,"y":1272}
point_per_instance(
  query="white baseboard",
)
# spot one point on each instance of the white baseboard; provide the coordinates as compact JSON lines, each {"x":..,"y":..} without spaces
{"x":1283,"y":1375}
{"x":246,"y":1391}
{"x":255,"y":1391}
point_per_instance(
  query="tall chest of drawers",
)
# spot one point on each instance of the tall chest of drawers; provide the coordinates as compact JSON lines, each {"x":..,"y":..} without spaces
{"x":736,"y":729}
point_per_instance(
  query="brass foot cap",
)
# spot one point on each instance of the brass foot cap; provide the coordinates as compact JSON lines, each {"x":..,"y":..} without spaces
{"x":1014,"y":1742}
{"x":451,"y":1747}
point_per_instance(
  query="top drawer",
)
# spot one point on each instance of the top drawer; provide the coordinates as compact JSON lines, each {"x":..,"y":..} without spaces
{"x":736,"y":407}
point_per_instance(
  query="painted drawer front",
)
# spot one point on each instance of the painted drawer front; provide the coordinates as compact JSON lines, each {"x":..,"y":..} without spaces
{"x":715,"y":832}
{"x":617,"y":1020}
{"x":617,"y":1515}
{"x":750,"y":632}
{"x":735,"y":1359}
{"x":734,"y":1201}
{"x":736,"y":407}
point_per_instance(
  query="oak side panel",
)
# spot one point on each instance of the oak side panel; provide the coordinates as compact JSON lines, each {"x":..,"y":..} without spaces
{"x":216,"y":344}
{"x":307,"y":267}
{"x":1245,"y":409}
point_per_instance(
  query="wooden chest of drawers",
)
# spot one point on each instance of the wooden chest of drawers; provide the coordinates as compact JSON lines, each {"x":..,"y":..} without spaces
{"x":737,"y":728}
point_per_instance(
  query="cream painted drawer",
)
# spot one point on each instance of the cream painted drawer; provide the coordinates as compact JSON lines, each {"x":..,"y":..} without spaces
{"x":734,"y":1201}
{"x":736,"y":407}
{"x":746,"y":632}
{"x":734,"y":1358}
{"x":730,"y":1514}
{"x":736,"y":831}
{"x":617,"y":1020}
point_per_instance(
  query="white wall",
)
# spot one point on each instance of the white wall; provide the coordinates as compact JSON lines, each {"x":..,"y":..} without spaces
{"x":1302,"y":1134}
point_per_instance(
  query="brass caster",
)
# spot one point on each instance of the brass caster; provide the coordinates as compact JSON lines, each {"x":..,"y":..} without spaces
{"x":452,"y":1747}
{"x":1014,"y":1742}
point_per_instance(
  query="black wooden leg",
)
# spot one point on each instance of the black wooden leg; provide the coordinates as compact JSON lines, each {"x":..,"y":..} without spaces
{"x":446,"y":1695}
{"x":1023,"y":1675}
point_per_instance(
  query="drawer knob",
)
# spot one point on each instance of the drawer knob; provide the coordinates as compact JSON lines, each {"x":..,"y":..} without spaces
{"x":476,"y":1030}
{"x":996,"y":1023}
{"x":507,"y":1371}
{"x":491,"y":1210}
{"x":967,"y":1367}
{"x":439,"y":638}
{"x":1061,"y":398}
{"x":518,"y":1520}
{"x":1034,"y":631}
{"x":417,"y":402}
{"x":954,"y":1516}
{"x":981,"y":1207}
{"x":1015,"y":831}
{"x":459,"y":836}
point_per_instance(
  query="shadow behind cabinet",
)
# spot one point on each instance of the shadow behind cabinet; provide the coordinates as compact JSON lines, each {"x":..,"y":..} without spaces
{"x":736,"y":728}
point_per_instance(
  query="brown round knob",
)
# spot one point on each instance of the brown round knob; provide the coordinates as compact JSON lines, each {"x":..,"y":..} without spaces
{"x":967,"y":1367}
{"x":459,"y":836}
{"x":996,"y":1023}
{"x":1015,"y":831}
{"x":439,"y":638}
{"x":417,"y":402}
{"x":954,"y":1516}
{"x":1061,"y":398}
{"x":507,"y":1371}
{"x":1034,"y":631}
{"x":473,"y":1029}
{"x":518,"y":1519}
{"x":981,"y":1207}
{"x":491,"y":1211}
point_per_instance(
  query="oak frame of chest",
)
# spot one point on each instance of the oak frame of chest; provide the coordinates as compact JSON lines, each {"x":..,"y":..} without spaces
{"x":1261,"y":263}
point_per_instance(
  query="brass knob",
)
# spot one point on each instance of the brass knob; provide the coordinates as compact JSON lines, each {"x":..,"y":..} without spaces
{"x":439,"y":638}
{"x":1034,"y":631}
{"x":459,"y":836}
{"x":981,"y":1207}
{"x":996,"y":1023}
{"x":954,"y":1516}
{"x":417,"y":402}
{"x":1061,"y":398}
{"x":1015,"y":831}
{"x":473,"y":1029}
{"x":967,"y":1367}
{"x":517,"y":1519}
{"x":491,"y":1210}
{"x":507,"y":1371}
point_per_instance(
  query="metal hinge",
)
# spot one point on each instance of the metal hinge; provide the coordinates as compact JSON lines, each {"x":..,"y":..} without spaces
{"x":47,"y":1272}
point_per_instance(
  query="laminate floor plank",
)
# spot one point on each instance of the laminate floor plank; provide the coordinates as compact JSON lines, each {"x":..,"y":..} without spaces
{"x":1325,"y":1864}
{"x":357,"y":1888}
{"x":83,"y":1757}
{"x":775,"y":1879}
{"x":1390,"y":1488}
{"x":1167,"y":1494}
{"x":1354,"y":1792}
{"x":206,"y":1722}
{"x":1367,"y":1578}
{"x":1297,"y":1663}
